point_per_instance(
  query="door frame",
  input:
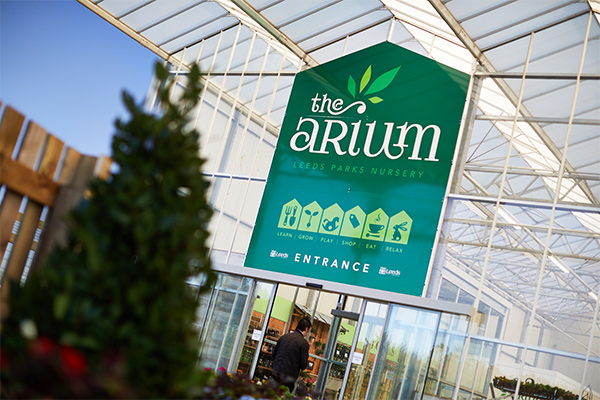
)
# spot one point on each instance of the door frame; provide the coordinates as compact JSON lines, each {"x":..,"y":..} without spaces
{"x":327,"y":359}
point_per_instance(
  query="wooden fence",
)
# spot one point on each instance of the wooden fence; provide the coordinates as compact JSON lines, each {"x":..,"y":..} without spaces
{"x":41,"y":180}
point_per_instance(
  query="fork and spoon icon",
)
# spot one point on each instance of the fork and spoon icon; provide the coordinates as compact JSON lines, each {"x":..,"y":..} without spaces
{"x":288,"y":211}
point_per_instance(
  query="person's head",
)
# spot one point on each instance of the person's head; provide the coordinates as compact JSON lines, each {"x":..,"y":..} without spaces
{"x":304,"y":325}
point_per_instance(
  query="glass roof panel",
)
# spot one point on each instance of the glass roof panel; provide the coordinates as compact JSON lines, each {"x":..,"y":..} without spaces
{"x":347,"y":28}
{"x":319,"y":21}
{"x":558,"y":49}
{"x":359,"y":41}
{"x":509,"y":58}
{"x":402,"y":37}
{"x":421,"y":14}
{"x":198,"y":33}
{"x":545,"y":98}
{"x":120,"y":7}
{"x":243,"y":50}
{"x":261,"y":5}
{"x":518,"y":18}
{"x":554,"y":50}
{"x":465,"y":10}
{"x":281,"y":14}
{"x":157,"y":12}
{"x":592,"y":56}
{"x":442,"y":50}
{"x":588,"y":99}
{"x":182,"y":24}
{"x":214,"y":50}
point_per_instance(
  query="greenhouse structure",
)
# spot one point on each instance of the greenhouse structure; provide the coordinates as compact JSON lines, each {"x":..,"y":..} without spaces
{"x":419,"y":177}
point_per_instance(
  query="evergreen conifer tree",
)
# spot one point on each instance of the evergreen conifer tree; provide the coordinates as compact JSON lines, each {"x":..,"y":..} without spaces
{"x":118,"y":288}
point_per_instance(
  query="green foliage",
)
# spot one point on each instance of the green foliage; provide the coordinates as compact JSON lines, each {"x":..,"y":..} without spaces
{"x":223,"y":385}
{"x":119,"y":285}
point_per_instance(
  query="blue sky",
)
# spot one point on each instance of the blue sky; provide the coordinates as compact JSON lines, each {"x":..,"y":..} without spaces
{"x":64,"y":67}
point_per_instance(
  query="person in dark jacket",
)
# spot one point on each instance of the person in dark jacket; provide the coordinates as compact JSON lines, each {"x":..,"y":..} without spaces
{"x":290,"y":355}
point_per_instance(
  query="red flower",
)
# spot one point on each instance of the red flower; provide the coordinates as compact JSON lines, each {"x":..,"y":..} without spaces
{"x":73,"y":361}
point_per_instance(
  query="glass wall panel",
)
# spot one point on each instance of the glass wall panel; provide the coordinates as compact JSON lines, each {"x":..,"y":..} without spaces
{"x":222,"y":320}
{"x":203,"y":302}
{"x":363,"y":358}
{"x":562,"y":321}
{"x":445,"y":360}
{"x":477,"y":370}
{"x":489,"y":322}
{"x":232,"y":222}
{"x":222,"y":225}
{"x":448,"y":291}
{"x":591,"y":383}
{"x":465,"y":297}
{"x":404,"y":353}
{"x":235,"y":190}
{"x":247,"y":162}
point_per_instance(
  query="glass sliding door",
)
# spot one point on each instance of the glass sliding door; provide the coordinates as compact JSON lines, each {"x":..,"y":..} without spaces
{"x":334,"y":360}
{"x":276,"y":312}
{"x":404,"y":353}
{"x":282,"y":318}
{"x":252,"y":336}
{"x":363,"y":358}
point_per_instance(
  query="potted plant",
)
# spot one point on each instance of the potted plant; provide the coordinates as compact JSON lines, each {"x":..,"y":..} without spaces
{"x":529,"y":388}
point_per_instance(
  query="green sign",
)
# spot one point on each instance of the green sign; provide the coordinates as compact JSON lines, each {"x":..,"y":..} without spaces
{"x":359,"y":174}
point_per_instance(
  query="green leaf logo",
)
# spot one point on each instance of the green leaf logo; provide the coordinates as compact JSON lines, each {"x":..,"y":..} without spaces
{"x":352,"y":86}
{"x":383,"y":81}
{"x":378,"y":84}
{"x":365,"y":79}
